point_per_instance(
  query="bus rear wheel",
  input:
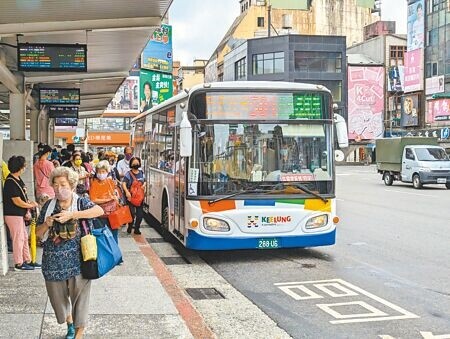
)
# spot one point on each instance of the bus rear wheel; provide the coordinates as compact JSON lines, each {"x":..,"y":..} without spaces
{"x":447,"y":185}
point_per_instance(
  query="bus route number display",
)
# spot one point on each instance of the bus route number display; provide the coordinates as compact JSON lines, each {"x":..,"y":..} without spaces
{"x":59,"y":96}
{"x":52,"y":57}
{"x":271,"y":106}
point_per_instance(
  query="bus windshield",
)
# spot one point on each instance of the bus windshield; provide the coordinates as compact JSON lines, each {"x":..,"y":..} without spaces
{"x":233,"y":157}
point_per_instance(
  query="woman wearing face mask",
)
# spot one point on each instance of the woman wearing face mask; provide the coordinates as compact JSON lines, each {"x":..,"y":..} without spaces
{"x":135,"y":173}
{"x":42,"y":169}
{"x":15,"y":206}
{"x":83,"y":175}
{"x":103,"y":192}
{"x":61,"y":260}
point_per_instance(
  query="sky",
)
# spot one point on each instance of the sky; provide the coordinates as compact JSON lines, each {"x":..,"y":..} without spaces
{"x":199,"y":25}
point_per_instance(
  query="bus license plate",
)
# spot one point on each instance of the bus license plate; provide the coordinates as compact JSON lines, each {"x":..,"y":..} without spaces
{"x":441,"y":180}
{"x":268,"y":243}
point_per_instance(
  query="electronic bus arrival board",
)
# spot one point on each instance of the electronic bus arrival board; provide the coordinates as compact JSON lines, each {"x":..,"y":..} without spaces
{"x":33,"y":57}
{"x":63,"y":112}
{"x":67,"y":122}
{"x":272,"y":106}
{"x":59,"y":96}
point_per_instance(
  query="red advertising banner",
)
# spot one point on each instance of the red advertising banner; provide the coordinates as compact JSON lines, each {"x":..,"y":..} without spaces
{"x":365,"y":102}
{"x":413,"y":71}
{"x":438,"y":110}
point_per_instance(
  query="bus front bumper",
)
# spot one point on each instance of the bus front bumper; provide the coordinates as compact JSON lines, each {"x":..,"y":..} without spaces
{"x":198,"y":241}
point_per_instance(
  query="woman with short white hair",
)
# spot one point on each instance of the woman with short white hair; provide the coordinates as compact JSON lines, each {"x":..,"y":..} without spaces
{"x":58,"y":226}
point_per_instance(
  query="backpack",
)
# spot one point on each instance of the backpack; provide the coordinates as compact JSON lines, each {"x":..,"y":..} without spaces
{"x":136,"y":191}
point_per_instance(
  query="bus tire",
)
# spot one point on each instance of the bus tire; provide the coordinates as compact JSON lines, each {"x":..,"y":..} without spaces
{"x":447,"y":185}
{"x":165,"y":232}
{"x":388,"y":178}
{"x":416,"y":181}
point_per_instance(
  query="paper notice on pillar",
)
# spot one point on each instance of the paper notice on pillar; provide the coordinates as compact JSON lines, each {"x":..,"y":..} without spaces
{"x":414,"y":71}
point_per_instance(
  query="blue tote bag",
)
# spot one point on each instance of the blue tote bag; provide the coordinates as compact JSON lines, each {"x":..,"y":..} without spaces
{"x":108,"y":251}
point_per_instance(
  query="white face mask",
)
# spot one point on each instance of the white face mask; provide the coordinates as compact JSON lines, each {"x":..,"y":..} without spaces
{"x":102,"y":176}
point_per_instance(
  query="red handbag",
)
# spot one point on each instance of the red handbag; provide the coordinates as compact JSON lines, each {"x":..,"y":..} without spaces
{"x":120,"y":216}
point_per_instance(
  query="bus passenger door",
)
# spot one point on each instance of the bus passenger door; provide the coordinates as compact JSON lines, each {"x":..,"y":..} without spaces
{"x":179,"y":191}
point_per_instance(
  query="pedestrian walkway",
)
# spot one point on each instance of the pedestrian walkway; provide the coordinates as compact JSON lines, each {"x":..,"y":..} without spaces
{"x":130,"y":302}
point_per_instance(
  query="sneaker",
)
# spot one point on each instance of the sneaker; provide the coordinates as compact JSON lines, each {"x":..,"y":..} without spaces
{"x":137,"y":232}
{"x":35,"y":265}
{"x":70,"y":331}
{"x":23,"y":267}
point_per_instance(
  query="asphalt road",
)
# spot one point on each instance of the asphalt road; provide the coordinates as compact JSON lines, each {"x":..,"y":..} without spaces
{"x":387,"y":277}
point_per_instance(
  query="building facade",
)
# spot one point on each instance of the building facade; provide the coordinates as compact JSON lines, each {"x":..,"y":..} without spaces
{"x":293,"y":58}
{"x":319,"y":17}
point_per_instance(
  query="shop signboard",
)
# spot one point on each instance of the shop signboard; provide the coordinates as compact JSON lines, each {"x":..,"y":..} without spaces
{"x":155,"y":87}
{"x":126,"y":98}
{"x":365,"y":102}
{"x":438,"y":110}
{"x":413,"y":71}
{"x":157,"y":55}
{"x":416,"y":21}
{"x":410,"y":110}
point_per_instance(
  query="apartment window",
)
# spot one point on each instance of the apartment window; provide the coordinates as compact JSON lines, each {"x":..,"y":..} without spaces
{"x":329,"y":62}
{"x":260,"y":21}
{"x":240,"y":69}
{"x":268,"y":63}
{"x":397,"y":55}
{"x":434,"y":67}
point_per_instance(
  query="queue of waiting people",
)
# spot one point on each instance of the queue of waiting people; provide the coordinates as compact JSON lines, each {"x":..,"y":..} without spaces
{"x":69,"y":185}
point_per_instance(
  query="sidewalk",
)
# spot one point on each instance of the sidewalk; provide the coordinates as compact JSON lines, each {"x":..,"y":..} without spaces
{"x":138,"y":299}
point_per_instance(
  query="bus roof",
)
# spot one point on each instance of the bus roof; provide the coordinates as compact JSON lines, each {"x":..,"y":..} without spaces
{"x":242,"y":85}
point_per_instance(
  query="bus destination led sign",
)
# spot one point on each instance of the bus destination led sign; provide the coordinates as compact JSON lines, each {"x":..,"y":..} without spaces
{"x":271,"y":106}
{"x":59,"y":96}
{"x":52,"y":57}
{"x":63,"y":112}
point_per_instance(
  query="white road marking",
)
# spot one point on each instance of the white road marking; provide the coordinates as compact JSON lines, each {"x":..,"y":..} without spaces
{"x":386,"y":337}
{"x":419,"y":194}
{"x":429,"y":335}
{"x":349,"y":291}
{"x":373,"y":312}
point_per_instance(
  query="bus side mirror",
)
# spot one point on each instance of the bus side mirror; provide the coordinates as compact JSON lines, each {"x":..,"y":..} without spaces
{"x":341,"y":131}
{"x":185,"y":136}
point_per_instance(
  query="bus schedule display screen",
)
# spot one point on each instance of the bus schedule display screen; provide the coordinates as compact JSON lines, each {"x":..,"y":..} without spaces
{"x":63,"y":112}
{"x":59,"y":96}
{"x":52,"y":57}
{"x":66,"y":122}
{"x":271,"y":106}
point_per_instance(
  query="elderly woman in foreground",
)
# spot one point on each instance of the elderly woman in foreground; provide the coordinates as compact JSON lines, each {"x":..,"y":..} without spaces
{"x":61,"y":260}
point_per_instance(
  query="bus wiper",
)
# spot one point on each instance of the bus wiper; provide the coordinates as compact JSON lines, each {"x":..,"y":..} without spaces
{"x":302,"y":187}
{"x":212,"y":202}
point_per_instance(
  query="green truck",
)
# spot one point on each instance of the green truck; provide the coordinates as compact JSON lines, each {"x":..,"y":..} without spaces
{"x":417,"y":160}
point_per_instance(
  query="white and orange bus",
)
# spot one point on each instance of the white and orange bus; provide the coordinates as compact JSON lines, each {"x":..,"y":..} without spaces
{"x":242,"y":165}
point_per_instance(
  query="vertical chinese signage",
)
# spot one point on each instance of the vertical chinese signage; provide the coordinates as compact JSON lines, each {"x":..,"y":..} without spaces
{"x":157,"y":55}
{"x":365,"y":102}
{"x":155,"y":87}
{"x":156,"y":80}
{"x":413,"y":71}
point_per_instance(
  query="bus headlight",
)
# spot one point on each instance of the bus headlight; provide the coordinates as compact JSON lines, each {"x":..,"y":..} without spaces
{"x":216,"y":225}
{"x":317,"y":221}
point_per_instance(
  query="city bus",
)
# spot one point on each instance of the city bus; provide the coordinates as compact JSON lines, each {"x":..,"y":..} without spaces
{"x":242,"y":165}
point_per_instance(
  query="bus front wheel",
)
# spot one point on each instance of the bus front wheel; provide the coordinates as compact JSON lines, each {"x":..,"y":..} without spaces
{"x":165,"y":224}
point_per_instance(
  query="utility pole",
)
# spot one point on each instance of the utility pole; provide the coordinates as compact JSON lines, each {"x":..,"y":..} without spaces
{"x":269,"y":19}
